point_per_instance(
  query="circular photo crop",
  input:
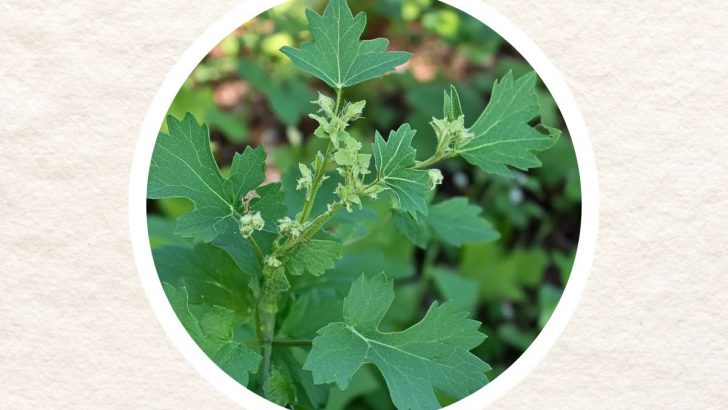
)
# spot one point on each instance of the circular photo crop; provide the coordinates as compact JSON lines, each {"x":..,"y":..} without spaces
{"x":363,"y":205}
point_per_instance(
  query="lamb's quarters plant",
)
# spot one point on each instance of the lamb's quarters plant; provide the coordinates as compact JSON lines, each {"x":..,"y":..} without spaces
{"x":253,"y":290}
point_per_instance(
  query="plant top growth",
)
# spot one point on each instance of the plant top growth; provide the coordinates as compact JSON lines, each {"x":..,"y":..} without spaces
{"x":253,"y":291}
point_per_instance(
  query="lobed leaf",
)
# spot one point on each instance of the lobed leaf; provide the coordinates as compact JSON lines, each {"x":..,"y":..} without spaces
{"x":336,"y":54}
{"x":210,"y":276}
{"x":314,"y":256}
{"x":395,"y":161}
{"x":455,"y":221}
{"x":214,"y":334}
{"x":415,"y":362}
{"x":503,"y":136}
{"x":183,"y":166}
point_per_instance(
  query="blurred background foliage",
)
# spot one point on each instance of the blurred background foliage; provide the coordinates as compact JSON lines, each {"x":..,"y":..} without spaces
{"x":250,"y":94}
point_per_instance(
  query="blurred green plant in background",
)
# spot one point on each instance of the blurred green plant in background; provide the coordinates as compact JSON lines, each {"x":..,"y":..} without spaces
{"x":249,"y":93}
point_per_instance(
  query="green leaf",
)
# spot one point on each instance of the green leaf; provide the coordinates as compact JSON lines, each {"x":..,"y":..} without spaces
{"x":362,"y":383}
{"x":315,"y":256}
{"x":183,"y":166}
{"x":161,"y":232}
{"x":413,"y":227}
{"x":503,"y":136}
{"x":279,"y":387}
{"x":462,"y":291}
{"x":414,"y":362}
{"x":300,"y":391}
{"x":395,"y":160}
{"x":290,"y":100}
{"x":452,"y":108}
{"x":233,"y":128}
{"x":503,"y":275}
{"x":336,"y":54}
{"x":209,"y":275}
{"x":548,"y":297}
{"x":457,"y":222}
{"x":310,"y":312}
{"x":214,"y":334}
{"x":271,"y":204}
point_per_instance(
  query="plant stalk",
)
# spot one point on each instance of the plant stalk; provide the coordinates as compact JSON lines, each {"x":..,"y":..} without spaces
{"x":267,"y":308}
{"x":292,"y":342}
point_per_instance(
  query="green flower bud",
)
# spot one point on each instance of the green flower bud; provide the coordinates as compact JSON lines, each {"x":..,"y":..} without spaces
{"x":353,"y":111}
{"x":306,"y":180}
{"x":272,"y":261}
{"x":348,"y":196}
{"x":435,"y":177}
{"x":450,"y":133}
{"x":290,"y":227}
{"x":325,"y":104}
{"x":250,"y":223}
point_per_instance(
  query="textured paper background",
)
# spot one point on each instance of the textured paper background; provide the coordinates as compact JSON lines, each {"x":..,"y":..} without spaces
{"x":76,"y":329}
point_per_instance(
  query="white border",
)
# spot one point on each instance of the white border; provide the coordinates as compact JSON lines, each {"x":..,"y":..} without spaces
{"x":245,"y":12}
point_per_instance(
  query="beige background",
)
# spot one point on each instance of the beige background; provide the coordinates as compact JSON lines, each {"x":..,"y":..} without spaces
{"x":76,"y":329}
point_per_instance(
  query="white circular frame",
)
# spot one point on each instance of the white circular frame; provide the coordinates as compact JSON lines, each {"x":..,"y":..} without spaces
{"x":247,"y":11}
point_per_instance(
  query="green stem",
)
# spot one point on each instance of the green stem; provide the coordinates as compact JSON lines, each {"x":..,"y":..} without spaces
{"x":258,"y":252}
{"x":267,"y":308}
{"x":428,"y":262}
{"x":292,"y":342}
{"x":339,"y":93}
{"x":432,"y":160}
{"x":321,"y":170}
{"x":318,"y":179}
{"x":267,"y":303}
{"x":316,"y":225}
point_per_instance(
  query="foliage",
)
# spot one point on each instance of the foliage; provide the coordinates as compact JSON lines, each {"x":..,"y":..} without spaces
{"x":281,"y":283}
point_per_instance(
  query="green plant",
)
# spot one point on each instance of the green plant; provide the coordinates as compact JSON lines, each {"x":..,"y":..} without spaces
{"x":253,"y":290}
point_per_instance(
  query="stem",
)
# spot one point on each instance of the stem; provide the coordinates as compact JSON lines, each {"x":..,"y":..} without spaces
{"x":321,"y":170}
{"x":339,"y":93}
{"x":267,"y":308}
{"x":318,"y":179}
{"x":292,"y":342}
{"x":258,"y":252}
{"x":425,"y":275}
{"x":267,"y":303}
{"x":432,"y":160}
{"x":316,"y":225}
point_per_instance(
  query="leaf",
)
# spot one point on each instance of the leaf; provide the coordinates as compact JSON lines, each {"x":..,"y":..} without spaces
{"x":290,"y":100}
{"x":462,"y":291}
{"x":209,"y":274}
{"x":336,"y":55}
{"x":271,"y":205}
{"x":503,"y":136}
{"x":362,"y":383}
{"x":503,"y":275}
{"x":452,"y":108}
{"x":395,"y":160}
{"x":183,"y":166}
{"x":414,"y":362}
{"x":279,"y":387}
{"x":161,"y":232}
{"x":300,"y":392}
{"x":310,"y":312}
{"x":214,"y":334}
{"x":413,"y":227}
{"x":315,"y":256}
{"x":548,"y":297}
{"x":457,"y":222}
